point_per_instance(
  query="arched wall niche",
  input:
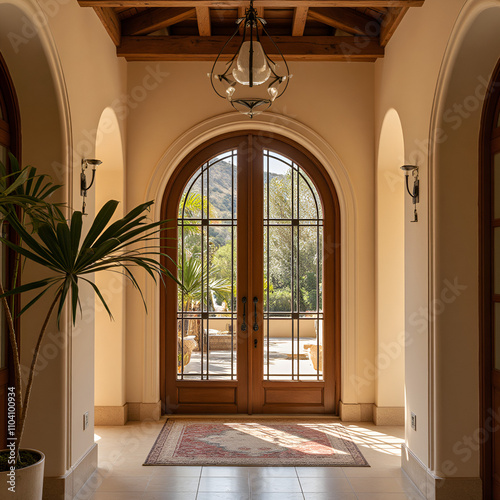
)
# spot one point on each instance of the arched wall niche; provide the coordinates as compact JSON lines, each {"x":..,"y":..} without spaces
{"x":471,"y":56}
{"x":324,"y":153}
{"x":37,"y":76}
{"x":110,"y":334}
{"x":390,"y":281}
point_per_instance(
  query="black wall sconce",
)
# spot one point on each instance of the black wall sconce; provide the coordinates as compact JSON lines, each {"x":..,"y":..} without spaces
{"x":416,"y":187}
{"x":83,"y":178}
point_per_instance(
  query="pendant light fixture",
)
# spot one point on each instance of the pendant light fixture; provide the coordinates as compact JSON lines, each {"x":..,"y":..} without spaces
{"x":251,"y":81}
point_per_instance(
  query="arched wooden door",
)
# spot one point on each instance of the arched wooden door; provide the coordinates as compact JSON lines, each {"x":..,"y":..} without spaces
{"x":255,"y":327}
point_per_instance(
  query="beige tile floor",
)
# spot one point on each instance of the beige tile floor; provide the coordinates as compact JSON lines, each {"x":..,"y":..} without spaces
{"x":121,"y":476}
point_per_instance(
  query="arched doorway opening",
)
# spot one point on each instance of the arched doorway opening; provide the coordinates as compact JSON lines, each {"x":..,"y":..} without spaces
{"x":45,"y":123}
{"x":256,"y":326}
{"x":457,"y":252}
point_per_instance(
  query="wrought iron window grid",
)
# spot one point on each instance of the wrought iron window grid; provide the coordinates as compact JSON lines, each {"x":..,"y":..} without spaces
{"x":204,"y":315}
{"x":294,"y":222}
{"x":295,"y":314}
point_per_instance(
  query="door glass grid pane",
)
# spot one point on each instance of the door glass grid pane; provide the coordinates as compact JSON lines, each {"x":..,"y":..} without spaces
{"x":293,"y":233}
{"x":206,"y":326}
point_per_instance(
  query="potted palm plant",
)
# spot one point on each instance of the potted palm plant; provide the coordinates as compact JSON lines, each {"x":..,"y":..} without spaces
{"x":71,"y":258}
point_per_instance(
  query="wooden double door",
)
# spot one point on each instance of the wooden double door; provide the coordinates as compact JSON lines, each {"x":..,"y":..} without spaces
{"x":255,"y":241}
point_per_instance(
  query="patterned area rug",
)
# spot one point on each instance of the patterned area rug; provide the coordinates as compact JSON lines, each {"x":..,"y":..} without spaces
{"x":266,"y":442}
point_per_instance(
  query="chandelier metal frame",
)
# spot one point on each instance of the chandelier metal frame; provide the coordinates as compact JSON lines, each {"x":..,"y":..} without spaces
{"x":250,"y":106}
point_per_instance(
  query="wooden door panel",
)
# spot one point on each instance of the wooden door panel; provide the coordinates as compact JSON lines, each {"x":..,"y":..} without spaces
{"x":294,"y":395}
{"x":207,"y":395}
{"x":275,"y":392}
{"x":203,"y":391}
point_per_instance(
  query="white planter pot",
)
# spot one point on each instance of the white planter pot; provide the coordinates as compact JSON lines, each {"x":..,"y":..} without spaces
{"x":28,"y":482}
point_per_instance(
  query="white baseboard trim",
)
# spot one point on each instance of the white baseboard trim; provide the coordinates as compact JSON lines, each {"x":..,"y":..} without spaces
{"x":433,"y":487}
{"x":67,"y":486}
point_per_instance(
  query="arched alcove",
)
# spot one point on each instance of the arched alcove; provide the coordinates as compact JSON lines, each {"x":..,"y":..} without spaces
{"x":110,"y":334}
{"x":467,"y":68}
{"x":390,"y":290}
{"x":28,"y":52}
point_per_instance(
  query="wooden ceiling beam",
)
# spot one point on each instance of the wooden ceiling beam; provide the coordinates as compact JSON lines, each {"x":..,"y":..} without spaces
{"x":390,"y":23}
{"x":241,"y":13}
{"x":351,"y":21}
{"x":204,"y":48}
{"x":152,"y":20}
{"x":111,"y":22}
{"x":299,"y":20}
{"x":203,"y":18}
{"x":257,"y":3}
{"x":260,"y":13}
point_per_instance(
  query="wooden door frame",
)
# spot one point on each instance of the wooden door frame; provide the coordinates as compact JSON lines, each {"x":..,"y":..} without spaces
{"x":12,"y":136}
{"x":326,"y":190}
{"x":490,"y":112}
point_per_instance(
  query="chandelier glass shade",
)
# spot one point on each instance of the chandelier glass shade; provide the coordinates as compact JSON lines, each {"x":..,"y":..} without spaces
{"x":251,"y":81}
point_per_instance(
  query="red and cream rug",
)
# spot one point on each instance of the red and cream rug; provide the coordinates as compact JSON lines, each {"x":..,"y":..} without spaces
{"x":262,"y":442}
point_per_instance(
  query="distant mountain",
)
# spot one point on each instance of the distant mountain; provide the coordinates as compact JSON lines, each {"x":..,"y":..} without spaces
{"x":221,"y":188}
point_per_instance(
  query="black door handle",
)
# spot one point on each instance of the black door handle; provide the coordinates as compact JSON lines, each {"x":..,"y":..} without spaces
{"x":255,"y":324}
{"x":244,"y":325}
{"x":255,"y":343}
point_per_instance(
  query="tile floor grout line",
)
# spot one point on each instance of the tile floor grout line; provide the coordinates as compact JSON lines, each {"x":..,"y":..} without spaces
{"x":249,"y":486}
{"x":386,"y":460}
{"x":300,"y":484}
{"x":199,"y":481}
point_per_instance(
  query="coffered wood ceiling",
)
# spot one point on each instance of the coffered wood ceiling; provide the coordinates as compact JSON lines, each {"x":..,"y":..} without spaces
{"x":305,"y":30}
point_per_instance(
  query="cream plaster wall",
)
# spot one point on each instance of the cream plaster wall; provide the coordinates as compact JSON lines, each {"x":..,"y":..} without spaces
{"x":473,"y":53}
{"x":95,"y":79}
{"x":339,"y":109}
{"x":433,"y":75}
{"x":405,"y":80}
{"x":162,"y":101}
{"x":42,"y":141}
{"x":66,"y":73}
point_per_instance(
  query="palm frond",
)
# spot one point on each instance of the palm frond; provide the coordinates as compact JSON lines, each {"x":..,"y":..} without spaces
{"x":127,"y":244}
